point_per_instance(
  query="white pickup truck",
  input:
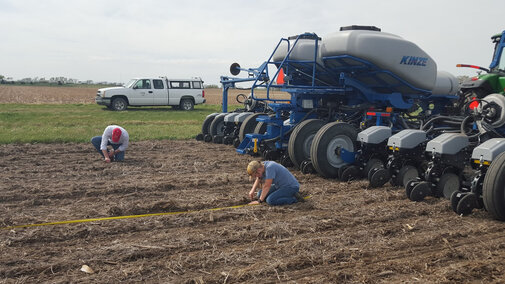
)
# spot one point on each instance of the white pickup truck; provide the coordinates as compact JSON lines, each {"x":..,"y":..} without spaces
{"x":179,"y":93}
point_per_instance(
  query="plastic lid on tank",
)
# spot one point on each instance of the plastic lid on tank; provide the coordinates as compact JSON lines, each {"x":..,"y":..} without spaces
{"x":357,"y":27}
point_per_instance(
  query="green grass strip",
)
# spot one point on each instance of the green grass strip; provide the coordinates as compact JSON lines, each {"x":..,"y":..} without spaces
{"x":50,"y":123}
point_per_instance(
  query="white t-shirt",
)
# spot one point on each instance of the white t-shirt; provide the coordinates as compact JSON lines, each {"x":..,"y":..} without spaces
{"x":107,"y":138}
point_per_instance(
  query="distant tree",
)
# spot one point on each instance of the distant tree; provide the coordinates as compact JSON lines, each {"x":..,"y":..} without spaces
{"x":2,"y":77}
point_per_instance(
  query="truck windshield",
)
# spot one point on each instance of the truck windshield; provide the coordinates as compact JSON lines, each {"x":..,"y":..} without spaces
{"x":130,"y":83}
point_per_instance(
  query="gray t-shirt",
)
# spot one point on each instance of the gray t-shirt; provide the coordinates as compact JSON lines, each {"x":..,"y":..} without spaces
{"x":281,"y":176}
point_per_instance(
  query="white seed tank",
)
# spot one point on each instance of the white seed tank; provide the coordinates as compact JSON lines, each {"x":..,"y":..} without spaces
{"x":304,"y":50}
{"x":390,"y":52}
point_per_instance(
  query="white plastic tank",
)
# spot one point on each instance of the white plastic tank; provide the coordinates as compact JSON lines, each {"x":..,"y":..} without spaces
{"x":304,"y":50}
{"x":390,"y":52}
{"x":446,"y":84}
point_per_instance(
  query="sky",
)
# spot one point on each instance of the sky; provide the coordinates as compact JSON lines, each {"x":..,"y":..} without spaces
{"x":116,"y":40}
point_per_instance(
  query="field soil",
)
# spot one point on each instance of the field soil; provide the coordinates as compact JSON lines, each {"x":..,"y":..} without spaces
{"x":86,"y":95}
{"x":342,"y":233}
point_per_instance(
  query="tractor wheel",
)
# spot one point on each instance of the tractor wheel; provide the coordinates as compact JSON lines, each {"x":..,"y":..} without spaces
{"x":447,"y":185}
{"x":301,"y":139}
{"x":406,"y":174}
{"x":248,"y":125}
{"x":119,"y":104}
{"x":493,"y":188}
{"x":217,"y":126}
{"x":327,"y":141}
{"x":372,"y":164}
{"x":206,"y":123}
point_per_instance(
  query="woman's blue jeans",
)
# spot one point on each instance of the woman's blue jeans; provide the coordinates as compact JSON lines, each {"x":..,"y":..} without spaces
{"x":281,"y":196}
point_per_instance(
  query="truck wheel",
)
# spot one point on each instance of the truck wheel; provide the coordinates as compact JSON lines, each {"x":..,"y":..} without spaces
{"x":187,"y":104}
{"x":327,"y":141}
{"x":301,"y":140}
{"x":119,"y":104}
{"x":493,"y":188}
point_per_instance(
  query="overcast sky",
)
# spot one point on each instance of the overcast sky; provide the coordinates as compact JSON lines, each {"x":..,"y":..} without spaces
{"x":115,"y":40}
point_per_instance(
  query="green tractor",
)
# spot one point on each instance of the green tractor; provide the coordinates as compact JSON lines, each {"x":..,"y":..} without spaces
{"x":493,"y":81}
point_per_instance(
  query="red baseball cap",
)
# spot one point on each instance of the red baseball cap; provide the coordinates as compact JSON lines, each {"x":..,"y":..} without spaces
{"x":116,"y":134}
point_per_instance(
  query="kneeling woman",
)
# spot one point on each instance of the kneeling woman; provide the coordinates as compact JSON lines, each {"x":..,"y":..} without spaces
{"x":280,"y":187}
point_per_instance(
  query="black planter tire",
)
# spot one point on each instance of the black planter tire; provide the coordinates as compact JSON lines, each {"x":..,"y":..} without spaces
{"x":327,"y":139}
{"x":447,"y":185}
{"x":406,"y":174}
{"x":248,"y":125}
{"x":493,"y":188}
{"x":217,"y":126}
{"x":261,"y":128}
{"x":301,"y":139}
{"x":371,"y":164}
{"x":206,"y":123}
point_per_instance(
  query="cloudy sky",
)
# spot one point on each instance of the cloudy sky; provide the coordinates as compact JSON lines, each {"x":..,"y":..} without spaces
{"x":115,"y":40}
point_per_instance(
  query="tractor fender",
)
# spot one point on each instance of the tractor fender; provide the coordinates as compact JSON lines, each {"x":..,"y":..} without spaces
{"x":477,"y":84}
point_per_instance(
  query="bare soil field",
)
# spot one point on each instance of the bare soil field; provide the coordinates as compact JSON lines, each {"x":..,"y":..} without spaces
{"x":343,"y":233}
{"x":85,"y":95}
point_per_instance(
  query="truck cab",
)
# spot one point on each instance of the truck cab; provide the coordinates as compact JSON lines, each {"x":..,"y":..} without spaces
{"x":179,"y":93}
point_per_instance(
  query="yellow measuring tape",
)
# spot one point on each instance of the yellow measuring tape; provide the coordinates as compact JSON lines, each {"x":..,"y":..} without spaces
{"x":125,"y":217}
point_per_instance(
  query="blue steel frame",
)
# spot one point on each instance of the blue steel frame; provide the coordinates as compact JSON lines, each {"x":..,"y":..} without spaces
{"x":323,"y":82}
{"x":498,"y":52}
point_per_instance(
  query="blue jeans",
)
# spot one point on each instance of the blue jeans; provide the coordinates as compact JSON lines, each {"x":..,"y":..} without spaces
{"x":97,"y":141}
{"x":281,"y":196}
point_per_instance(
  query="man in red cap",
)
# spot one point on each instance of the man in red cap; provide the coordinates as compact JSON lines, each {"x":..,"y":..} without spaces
{"x":115,"y":136}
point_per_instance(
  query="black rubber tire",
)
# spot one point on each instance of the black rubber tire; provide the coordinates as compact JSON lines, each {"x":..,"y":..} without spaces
{"x":371,"y":164}
{"x":349,"y":174}
{"x":420,"y":191}
{"x":206,"y":123}
{"x":405,"y":174}
{"x":217,"y":126}
{"x":493,"y":188}
{"x":467,"y":203}
{"x":186,"y":104}
{"x":248,"y":125}
{"x":261,"y":128}
{"x":447,"y":185}
{"x":455,"y":198}
{"x":119,"y":104}
{"x":409,"y":186}
{"x":301,"y":139}
{"x":325,"y":162}
{"x":378,"y":177}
